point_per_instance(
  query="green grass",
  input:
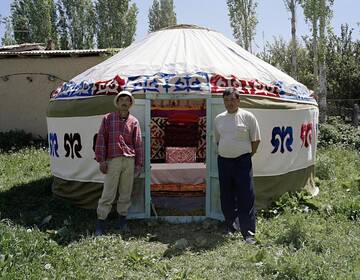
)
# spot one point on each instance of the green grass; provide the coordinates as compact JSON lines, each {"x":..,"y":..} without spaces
{"x":299,"y":238}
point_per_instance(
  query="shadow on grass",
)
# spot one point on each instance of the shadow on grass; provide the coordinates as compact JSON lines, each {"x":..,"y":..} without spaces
{"x":33,"y":205}
{"x":191,"y":236}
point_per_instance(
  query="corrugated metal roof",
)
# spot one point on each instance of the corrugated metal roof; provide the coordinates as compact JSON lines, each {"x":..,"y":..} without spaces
{"x":23,"y":47}
{"x":47,"y":53}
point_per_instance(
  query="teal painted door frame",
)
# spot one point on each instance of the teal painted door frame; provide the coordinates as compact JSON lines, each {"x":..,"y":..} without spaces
{"x":213,"y":107}
{"x":141,"y":203}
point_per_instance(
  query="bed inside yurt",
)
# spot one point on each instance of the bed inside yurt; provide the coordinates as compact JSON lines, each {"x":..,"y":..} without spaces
{"x":177,"y":76}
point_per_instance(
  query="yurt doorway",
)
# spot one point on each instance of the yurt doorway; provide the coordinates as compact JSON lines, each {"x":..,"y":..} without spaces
{"x":178,"y":152}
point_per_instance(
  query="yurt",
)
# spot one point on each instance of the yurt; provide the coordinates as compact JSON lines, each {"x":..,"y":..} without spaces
{"x":177,"y":76}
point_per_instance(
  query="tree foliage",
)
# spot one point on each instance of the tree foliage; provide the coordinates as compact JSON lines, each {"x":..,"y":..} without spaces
{"x":72,"y":24}
{"x":62,"y":28}
{"x":318,"y":14}
{"x":343,"y":64}
{"x":279,"y":52}
{"x":8,"y":38}
{"x":21,"y":21}
{"x":116,"y":23}
{"x":243,"y":21}
{"x":78,"y":21}
{"x":161,"y":14}
{"x":34,"y":20}
{"x":291,"y":7}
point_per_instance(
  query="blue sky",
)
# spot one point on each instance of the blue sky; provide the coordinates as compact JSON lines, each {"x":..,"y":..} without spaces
{"x":272,"y":15}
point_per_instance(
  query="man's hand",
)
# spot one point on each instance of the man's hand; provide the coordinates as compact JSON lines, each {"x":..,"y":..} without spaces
{"x":103,"y":167}
{"x":137,"y":171}
{"x":254,"y":146}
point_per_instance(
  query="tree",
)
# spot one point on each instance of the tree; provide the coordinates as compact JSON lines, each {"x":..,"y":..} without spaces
{"x":116,"y":23}
{"x":43,"y":20}
{"x":291,"y":6}
{"x":343,"y":60}
{"x":78,"y":22}
{"x":21,"y":21}
{"x":278,"y":53}
{"x":34,"y":20}
{"x":318,"y":13}
{"x":342,"y":66}
{"x":161,"y":14}
{"x":62,"y":26}
{"x":243,"y":21}
{"x":8,"y":38}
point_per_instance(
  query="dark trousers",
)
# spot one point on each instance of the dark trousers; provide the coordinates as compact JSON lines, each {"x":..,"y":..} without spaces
{"x":237,"y":191}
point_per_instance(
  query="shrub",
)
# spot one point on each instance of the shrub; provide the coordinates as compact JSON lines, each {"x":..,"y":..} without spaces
{"x":336,"y":132}
{"x":15,"y":140}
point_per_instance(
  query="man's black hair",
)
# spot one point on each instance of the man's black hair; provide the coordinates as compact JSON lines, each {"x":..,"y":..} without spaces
{"x":230,"y":91}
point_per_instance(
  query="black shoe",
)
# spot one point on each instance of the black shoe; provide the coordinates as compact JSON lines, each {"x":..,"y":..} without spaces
{"x":122,"y":224}
{"x":99,"y":229}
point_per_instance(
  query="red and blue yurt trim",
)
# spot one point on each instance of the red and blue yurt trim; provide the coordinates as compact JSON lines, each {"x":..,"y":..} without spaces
{"x":198,"y":83}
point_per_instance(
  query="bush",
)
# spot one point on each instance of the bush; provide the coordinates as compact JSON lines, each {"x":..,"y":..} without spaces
{"x":15,"y":140}
{"x":336,"y":132}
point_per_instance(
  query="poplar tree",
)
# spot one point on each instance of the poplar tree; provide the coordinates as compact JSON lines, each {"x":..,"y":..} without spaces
{"x":8,"y":38}
{"x":116,"y":23}
{"x":161,"y":14}
{"x":62,"y":25}
{"x":77,"y":23}
{"x":34,"y":21}
{"x":318,"y":13}
{"x":243,"y":21}
{"x":21,"y":21}
{"x":291,"y":7}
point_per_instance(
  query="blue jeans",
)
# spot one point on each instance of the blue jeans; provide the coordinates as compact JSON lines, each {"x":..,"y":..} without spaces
{"x":237,"y":191}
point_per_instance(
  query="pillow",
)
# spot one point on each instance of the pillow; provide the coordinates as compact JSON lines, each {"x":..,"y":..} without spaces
{"x":180,"y":154}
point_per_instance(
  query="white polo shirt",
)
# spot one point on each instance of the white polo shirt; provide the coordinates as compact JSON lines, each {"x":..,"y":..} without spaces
{"x":235,"y":132}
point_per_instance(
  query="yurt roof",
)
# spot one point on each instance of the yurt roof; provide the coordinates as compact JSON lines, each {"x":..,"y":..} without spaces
{"x":186,"y":51}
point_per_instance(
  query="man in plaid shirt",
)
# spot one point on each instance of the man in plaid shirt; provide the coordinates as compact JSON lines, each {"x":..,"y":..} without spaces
{"x":119,"y":152}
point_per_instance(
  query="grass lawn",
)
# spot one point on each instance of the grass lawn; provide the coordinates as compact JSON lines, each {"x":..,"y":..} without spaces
{"x":299,"y":238}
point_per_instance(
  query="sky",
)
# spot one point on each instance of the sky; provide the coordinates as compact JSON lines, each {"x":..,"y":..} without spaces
{"x":274,"y":19}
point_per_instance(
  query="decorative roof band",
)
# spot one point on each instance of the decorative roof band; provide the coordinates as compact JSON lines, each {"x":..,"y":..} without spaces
{"x":198,"y":83}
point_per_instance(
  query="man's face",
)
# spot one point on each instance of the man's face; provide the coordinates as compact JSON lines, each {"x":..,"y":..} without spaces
{"x":231,"y":103}
{"x":124,"y":102}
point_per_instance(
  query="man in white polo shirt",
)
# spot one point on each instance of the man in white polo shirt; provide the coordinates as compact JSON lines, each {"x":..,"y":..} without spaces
{"x":237,"y":135}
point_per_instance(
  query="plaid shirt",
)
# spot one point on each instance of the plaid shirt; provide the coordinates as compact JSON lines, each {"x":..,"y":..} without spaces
{"x":118,"y":137}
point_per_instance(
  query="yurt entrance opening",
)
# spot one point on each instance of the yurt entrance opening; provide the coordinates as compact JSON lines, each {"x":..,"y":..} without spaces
{"x":178,"y":149}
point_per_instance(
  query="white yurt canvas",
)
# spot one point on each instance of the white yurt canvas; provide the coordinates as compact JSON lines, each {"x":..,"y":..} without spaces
{"x":184,"y":63}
